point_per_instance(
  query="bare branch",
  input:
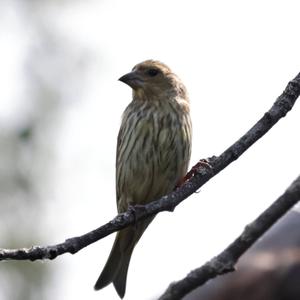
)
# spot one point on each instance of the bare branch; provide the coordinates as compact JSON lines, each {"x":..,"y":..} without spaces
{"x":167,"y":203}
{"x":225,"y":261}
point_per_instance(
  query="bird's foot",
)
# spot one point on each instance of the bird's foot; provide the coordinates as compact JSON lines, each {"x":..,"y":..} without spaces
{"x":135,"y":209}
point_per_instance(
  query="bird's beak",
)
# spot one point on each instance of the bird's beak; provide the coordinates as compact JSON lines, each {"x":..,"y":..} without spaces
{"x":133,"y":79}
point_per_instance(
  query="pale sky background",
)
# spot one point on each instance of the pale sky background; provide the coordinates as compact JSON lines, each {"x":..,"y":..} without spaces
{"x":235,"y":58}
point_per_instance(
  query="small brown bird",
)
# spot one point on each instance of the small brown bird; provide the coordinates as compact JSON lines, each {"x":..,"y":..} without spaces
{"x":153,"y":153}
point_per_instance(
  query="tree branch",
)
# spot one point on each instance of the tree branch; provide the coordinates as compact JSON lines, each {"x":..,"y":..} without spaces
{"x":282,"y":105}
{"x":225,"y":261}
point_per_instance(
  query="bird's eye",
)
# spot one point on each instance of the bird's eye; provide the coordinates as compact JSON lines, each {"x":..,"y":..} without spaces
{"x":152,"y":72}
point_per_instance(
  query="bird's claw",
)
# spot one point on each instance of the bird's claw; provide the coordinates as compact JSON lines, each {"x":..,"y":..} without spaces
{"x":134,"y":209}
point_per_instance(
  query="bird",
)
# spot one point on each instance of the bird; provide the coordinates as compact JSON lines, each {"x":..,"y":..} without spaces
{"x":152,"y":158}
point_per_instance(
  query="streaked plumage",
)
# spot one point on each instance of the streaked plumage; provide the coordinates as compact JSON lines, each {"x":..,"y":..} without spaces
{"x":153,"y":152}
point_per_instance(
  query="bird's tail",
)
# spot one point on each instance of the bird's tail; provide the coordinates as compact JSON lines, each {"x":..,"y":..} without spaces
{"x":121,"y":277}
{"x":116,"y":267}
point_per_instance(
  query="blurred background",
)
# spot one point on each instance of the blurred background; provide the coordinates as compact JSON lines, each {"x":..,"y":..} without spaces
{"x":60,"y":110}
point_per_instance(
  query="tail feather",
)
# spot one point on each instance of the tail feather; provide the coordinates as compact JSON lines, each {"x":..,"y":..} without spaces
{"x":121,"y":277}
{"x":116,"y":267}
{"x":111,"y":267}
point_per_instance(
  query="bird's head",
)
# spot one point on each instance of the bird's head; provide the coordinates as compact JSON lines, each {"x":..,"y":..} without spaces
{"x":152,"y":79}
